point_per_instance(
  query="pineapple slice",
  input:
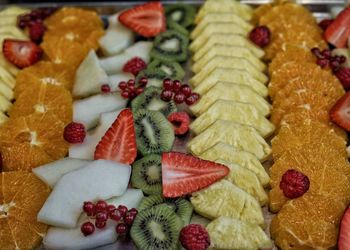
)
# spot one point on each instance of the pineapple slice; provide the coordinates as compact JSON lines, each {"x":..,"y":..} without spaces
{"x":246,"y":180}
{"x":227,"y":50}
{"x":220,"y":18}
{"x":236,"y":76}
{"x":231,"y":233}
{"x":231,"y":62}
{"x":245,"y":159}
{"x":240,"y":136}
{"x":243,"y":113}
{"x":225,"y":199}
{"x":229,"y":39}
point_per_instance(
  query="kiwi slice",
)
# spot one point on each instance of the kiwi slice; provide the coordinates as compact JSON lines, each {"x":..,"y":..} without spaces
{"x":173,"y":70}
{"x":155,"y":77}
{"x":172,"y":25}
{"x":154,"y":133}
{"x":181,"y":206}
{"x":147,"y":174}
{"x":156,"y":228}
{"x":170,"y":46}
{"x":183,"y":14}
{"x":150,"y":100}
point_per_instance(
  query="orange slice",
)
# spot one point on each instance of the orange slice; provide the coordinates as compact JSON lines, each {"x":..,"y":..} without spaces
{"x":23,"y":195}
{"x":260,"y":11}
{"x":31,"y":141}
{"x":44,"y":73}
{"x":44,"y":98}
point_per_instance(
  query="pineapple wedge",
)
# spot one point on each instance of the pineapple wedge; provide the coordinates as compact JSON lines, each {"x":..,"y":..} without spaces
{"x":220,"y":18}
{"x":231,"y":92}
{"x":6,"y":91}
{"x":243,"y":113}
{"x":225,"y":199}
{"x":13,"y":70}
{"x":245,"y":159}
{"x":7,"y":78}
{"x":229,"y":39}
{"x":227,"y":50}
{"x":231,"y":233}
{"x":5,"y":104}
{"x":246,"y":180}
{"x":231,"y":62}
{"x":233,"y":76}
{"x":240,"y":136}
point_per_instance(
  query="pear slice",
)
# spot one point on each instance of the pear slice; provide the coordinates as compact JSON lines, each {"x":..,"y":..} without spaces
{"x":243,"y":113}
{"x":100,"y":179}
{"x":240,"y":136}
{"x":233,"y":62}
{"x":231,"y":92}
{"x":233,"y":76}
{"x":225,"y":199}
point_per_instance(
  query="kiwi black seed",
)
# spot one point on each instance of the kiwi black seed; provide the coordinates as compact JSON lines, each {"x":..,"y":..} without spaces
{"x":155,"y":77}
{"x":170,"y":46}
{"x":154,"y":133}
{"x":173,"y":70}
{"x":183,"y":14}
{"x":147,"y":174}
{"x":157,"y":228}
{"x":172,"y":25}
{"x":181,"y":206}
{"x":150,"y":100}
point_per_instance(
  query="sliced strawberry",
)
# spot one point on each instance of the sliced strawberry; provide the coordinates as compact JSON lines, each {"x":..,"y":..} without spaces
{"x":338,"y":32}
{"x":148,"y":19}
{"x":119,"y":142}
{"x":183,"y":174}
{"x":21,"y":53}
{"x":344,"y":234}
{"x":340,"y":112}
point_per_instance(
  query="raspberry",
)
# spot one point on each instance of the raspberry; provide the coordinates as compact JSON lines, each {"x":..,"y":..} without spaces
{"x":194,"y":237}
{"x":325,"y":23}
{"x":74,"y":132}
{"x":36,"y":31}
{"x":134,"y":65}
{"x":260,"y":35}
{"x":343,"y":75}
{"x":294,"y":184}
{"x":181,"y":122}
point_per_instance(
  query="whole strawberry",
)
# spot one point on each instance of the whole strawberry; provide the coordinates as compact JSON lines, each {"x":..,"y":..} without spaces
{"x":74,"y":132}
{"x":294,"y":184}
{"x":260,"y":35}
{"x":343,"y":75}
{"x":134,"y":66}
{"x":194,"y":237}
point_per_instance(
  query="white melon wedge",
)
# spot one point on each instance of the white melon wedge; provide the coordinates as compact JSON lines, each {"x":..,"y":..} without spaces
{"x":88,"y":110}
{"x":100,"y":179}
{"x":115,"y":79}
{"x":50,"y":173}
{"x":73,"y":239}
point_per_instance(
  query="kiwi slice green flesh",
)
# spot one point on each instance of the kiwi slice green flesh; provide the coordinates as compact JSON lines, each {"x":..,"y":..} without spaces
{"x":150,"y":100}
{"x":181,"y":206}
{"x":154,"y":133}
{"x":173,"y":70}
{"x":170,"y":46}
{"x":172,"y":25}
{"x":147,"y":174}
{"x":183,"y":14}
{"x":155,"y":77}
{"x":156,"y":228}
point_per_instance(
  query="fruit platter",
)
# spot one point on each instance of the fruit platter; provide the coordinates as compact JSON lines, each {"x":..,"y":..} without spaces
{"x":211,"y":125}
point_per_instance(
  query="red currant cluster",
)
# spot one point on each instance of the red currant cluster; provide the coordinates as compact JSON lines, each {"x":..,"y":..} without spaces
{"x":101,"y":212}
{"x":180,"y":93}
{"x":325,"y":59}
{"x":129,"y":90}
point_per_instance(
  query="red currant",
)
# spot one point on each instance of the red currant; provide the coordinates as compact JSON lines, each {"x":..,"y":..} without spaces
{"x":129,"y":218}
{"x":192,"y":99}
{"x":166,"y":95}
{"x":110,"y":208}
{"x":326,"y":53}
{"x":122,"y":85}
{"x":179,"y":98}
{"x":143,"y":81}
{"x":322,"y":62}
{"x":89,"y":208}
{"x":186,"y":90}
{"x":176,"y":85}
{"x":87,"y":228}
{"x":121,"y":229}
{"x":133,"y":211}
{"x":131,"y":88}
{"x":102,"y":216}
{"x":131,"y":82}
{"x":132,"y":95}
{"x":167,"y":84}
{"x":105,"y":88}
{"x":139,"y":90}
{"x":100,"y":224}
{"x":116,"y":215}
{"x":125,"y":94}
{"x":122,"y":209}
{"x":101,"y":206}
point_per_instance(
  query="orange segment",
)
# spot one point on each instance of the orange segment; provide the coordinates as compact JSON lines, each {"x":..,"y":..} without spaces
{"x":260,"y":11}
{"x":44,"y":73}
{"x":6,"y":239}
{"x":27,"y":142}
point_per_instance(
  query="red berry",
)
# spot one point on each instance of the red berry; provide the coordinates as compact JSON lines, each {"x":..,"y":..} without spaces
{"x":194,"y":237}
{"x":343,"y":75}
{"x":186,"y":90}
{"x":323,"y":63}
{"x":89,"y":208}
{"x":334,"y":64}
{"x":176,"y":85}
{"x":143,"y":81}
{"x":36,"y":31}
{"x":326,"y":53}
{"x":101,"y":206}
{"x":317,"y":52}
{"x":102,"y":216}
{"x":260,"y":35}
{"x":87,"y":228}
{"x":121,"y":229}
{"x":342,"y":59}
{"x":132,"y":95}
{"x":133,"y":211}
{"x":110,"y":209}
{"x":167,"y":84}
{"x":325,"y":23}
{"x":125,"y":94}
{"x":131,"y":88}
{"x":192,"y":99}
{"x":116,"y":215}
{"x":134,"y":65}
{"x":179,"y":98}
{"x":122,"y":209}
{"x":129,"y":218}
{"x":100,"y":224}
{"x":122,"y":85}
{"x":294,"y":184}
{"x":74,"y":132}
{"x":139,"y":90}
{"x":131,"y":82}
{"x":180,"y":121}
{"x":166,"y":95}
{"x":105,"y":88}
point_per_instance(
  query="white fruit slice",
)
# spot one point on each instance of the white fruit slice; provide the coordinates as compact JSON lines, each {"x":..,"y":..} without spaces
{"x":88,"y":110}
{"x":14,"y":10}
{"x":8,"y":66}
{"x":86,"y":149}
{"x":100,"y":179}
{"x":3,"y":118}
{"x":115,"y":79}
{"x":5,"y":105}
{"x":50,"y":173}
{"x":7,"y":78}
{"x":6,"y":91}
{"x":63,"y":238}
